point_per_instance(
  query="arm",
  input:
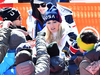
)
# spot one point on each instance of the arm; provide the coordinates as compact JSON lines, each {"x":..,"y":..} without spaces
{"x":67,"y":16}
{"x":35,"y":13}
{"x":69,"y":19}
{"x":4,"y":38}
{"x":42,"y":63}
{"x":43,"y":59}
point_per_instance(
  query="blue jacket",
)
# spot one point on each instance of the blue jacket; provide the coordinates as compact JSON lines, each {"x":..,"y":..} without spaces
{"x":72,"y":67}
{"x":8,"y":61}
{"x":10,"y":71}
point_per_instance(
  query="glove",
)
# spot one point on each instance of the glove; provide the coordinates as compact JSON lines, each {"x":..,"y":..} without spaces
{"x":41,"y":33}
{"x":40,"y":37}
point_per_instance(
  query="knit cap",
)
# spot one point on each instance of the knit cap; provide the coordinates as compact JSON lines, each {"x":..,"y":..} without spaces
{"x":53,"y":49}
{"x":52,"y":13}
{"x":9,"y":13}
{"x":24,"y":46}
{"x":22,"y":56}
{"x":16,"y":39}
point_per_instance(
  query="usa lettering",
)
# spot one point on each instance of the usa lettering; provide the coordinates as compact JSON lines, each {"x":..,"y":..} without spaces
{"x":49,"y":16}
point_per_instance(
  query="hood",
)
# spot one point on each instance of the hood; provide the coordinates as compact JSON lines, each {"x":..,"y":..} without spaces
{"x":94,"y":54}
{"x":64,"y":10}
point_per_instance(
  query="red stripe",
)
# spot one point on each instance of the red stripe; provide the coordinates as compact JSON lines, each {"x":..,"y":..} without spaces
{"x":59,"y":16}
{"x":73,"y":50}
{"x":74,"y":26}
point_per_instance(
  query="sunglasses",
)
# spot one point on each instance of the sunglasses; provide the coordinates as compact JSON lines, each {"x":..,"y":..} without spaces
{"x":19,"y":18}
{"x":42,"y":5}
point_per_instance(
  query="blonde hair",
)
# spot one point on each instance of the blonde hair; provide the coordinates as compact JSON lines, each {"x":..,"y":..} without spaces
{"x":49,"y":35}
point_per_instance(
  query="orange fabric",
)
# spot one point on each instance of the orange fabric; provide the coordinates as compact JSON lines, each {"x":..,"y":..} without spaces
{"x":23,"y":8}
{"x":84,"y":14}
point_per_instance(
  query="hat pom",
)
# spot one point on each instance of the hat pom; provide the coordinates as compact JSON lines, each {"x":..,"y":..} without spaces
{"x":49,"y":5}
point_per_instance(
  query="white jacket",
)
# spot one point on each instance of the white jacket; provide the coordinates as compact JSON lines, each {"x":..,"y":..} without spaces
{"x":64,"y":11}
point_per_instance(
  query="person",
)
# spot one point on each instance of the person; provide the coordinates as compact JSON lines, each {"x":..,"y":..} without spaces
{"x":56,"y":31}
{"x":21,"y":51}
{"x":88,"y":43}
{"x":14,"y":17}
{"x":43,"y":60}
{"x":74,"y":52}
{"x":15,"y":38}
{"x":19,"y":59}
{"x":27,"y":46}
{"x":35,"y":20}
{"x":22,"y":63}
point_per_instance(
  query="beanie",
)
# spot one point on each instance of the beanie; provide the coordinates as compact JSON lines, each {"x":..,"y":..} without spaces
{"x":86,"y":40}
{"x":16,"y":39}
{"x":52,"y":13}
{"x":22,"y":56}
{"x":53,"y":49}
{"x":73,"y":47}
{"x":24,"y":46}
{"x":25,"y":68}
{"x":9,"y":13}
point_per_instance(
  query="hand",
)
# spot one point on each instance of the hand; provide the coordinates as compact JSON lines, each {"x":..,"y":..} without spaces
{"x":25,"y":33}
{"x":7,"y":23}
{"x":32,"y":43}
{"x":41,"y":33}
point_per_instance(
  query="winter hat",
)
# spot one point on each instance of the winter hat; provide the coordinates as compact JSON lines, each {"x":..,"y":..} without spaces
{"x":45,"y":1}
{"x":86,"y":40}
{"x":16,"y":39}
{"x":53,"y":49}
{"x":39,"y":1}
{"x":52,"y":13}
{"x":9,"y":13}
{"x":24,"y":46}
{"x":22,"y":56}
{"x":25,"y":68}
{"x":73,"y":47}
